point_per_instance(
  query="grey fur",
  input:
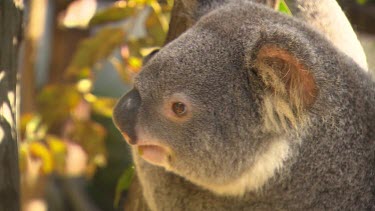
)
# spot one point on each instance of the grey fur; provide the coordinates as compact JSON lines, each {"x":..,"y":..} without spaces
{"x":331,"y":159}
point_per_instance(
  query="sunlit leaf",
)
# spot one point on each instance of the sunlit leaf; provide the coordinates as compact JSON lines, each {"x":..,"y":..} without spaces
{"x":79,"y":13}
{"x":283,"y":8}
{"x":134,"y":63}
{"x":25,"y":119}
{"x":39,"y":150}
{"x":103,"y":106}
{"x":164,"y":23}
{"x":57,"y":101}
{"x":84,"y":85}
{"x":140,"y":2}
{"x":32,"y":127}
{"x":123,"y":183}
{"x":118,"y":11}
{"x":94,"y":49}
{"x":146,"y":51}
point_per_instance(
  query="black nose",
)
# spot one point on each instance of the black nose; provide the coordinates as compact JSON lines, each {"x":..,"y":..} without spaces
{"x":125,"y":114}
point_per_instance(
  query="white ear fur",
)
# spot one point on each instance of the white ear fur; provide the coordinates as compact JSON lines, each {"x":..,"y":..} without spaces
{"x":292,"y":87}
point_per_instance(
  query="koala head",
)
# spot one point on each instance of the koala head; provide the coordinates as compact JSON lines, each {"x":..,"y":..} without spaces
{"x":214,"y":105}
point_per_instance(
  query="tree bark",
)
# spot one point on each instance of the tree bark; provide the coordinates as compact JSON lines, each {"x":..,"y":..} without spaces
{"x":64,"y":42}
{"x":10,"y":31}
{"x":362,"y":17}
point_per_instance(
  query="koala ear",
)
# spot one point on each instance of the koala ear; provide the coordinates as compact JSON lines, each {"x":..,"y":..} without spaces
{"x":149,"y":56}
{"x":292,"y":88}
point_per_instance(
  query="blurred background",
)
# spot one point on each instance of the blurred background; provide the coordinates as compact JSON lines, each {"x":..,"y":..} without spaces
{"x":77,"y":58}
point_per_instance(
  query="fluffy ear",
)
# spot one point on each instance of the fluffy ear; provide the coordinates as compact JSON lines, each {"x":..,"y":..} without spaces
{"x":291,"y":86}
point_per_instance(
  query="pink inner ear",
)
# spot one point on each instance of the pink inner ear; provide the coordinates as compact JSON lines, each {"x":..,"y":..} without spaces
{"x":298,"y":81}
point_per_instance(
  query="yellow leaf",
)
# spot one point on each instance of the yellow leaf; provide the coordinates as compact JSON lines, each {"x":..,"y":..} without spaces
{"x":84,"y":85}
{"x":134,"y":63}
{"x":103,"y":106}
{"x":146,"y":51}
{"x":58,"y":150}
{"x":25,"y":120}
{"x":39,"y":150}
{"x":56,"y":145}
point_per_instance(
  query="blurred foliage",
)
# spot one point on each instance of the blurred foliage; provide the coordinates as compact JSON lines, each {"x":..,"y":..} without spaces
{"x":65,"y":111}
{"x":362,"y":2}
{"x":123,"y":184}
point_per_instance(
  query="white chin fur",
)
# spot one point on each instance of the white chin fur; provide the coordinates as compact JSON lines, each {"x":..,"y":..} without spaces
{"x":263,"y":169}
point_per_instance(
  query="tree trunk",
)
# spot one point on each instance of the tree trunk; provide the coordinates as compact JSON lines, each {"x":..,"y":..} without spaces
{"x":10,"y":31}
{"x":362,"y":17}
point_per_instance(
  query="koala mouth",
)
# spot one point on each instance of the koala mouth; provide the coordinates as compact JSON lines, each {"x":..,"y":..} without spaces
{"x":150,"y":150}
{"x":154,"y":154}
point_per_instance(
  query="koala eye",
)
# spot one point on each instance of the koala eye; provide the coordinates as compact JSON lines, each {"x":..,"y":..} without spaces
{"x":179,"y":108}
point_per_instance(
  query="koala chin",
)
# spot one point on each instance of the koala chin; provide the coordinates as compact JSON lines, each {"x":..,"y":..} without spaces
{"x":251,"y":109}
{"x":264,"y":167}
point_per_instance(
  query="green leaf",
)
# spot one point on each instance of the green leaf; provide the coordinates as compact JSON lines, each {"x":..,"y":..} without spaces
{"x":118,"y":11}
{"x":94,"y":49}
{"x":123,"y":183}
{"x":157,"y":27}
{"x":283,"y":8}
{"x":361,"y":2}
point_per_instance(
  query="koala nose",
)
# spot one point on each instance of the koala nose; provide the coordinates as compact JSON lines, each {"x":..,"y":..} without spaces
{"x":125,"y":115}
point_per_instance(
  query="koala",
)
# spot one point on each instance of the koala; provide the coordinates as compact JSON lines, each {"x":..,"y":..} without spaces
{"x":259,"y":114}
